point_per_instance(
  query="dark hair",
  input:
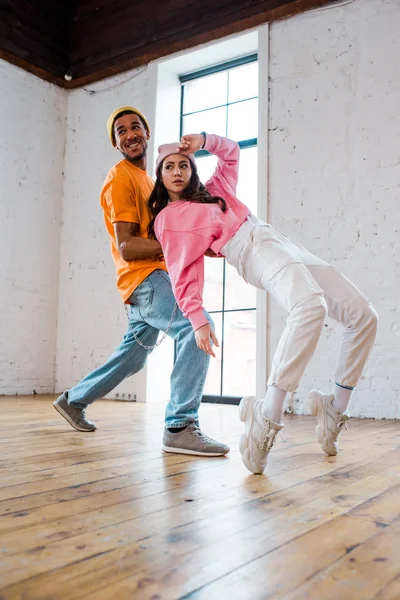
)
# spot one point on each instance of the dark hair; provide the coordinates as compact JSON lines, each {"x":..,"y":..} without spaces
{"x":195,"y":192}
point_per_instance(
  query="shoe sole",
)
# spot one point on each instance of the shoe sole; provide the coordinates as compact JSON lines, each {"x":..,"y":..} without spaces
{"x":68,"y":418}
{"x":192,"y":452}
{"x":314,"y":404}
{"x":246,"y":404}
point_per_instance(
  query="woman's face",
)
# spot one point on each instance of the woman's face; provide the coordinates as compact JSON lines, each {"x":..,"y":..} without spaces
{"x":176,"y":173}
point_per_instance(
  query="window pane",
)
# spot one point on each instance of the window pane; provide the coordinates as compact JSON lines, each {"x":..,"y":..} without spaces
{"x":213,"y":278}
{"x":213,"y":121}
{"x":243,"y":120}
{"x":213,"y":267}
{"x":243,"y":82}
{"x":213,"y":380}
{"x":159,"y":367}
{"x":247,"y":182}
{"x":205,"y":92}
{"x":239,"y":375}
{"x":205,"y":167}
{"x":238,"y":293}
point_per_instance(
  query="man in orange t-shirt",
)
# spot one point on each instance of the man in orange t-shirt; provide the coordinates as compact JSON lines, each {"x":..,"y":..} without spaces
{"x":144,"y":286}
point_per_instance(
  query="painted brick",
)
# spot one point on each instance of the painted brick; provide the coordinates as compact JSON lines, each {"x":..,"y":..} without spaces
{"x":32,"y":124}
{"x":335,"y":172}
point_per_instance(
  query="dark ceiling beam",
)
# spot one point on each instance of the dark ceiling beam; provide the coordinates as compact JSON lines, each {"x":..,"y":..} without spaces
{"x":95,"y":39}
{"x":134,"y":46}
{"x":36,"y":33}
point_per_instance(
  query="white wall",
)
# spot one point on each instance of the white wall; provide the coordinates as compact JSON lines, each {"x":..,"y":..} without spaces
{"x":91,"y":316}
{"x":334,"y":168}
{"x":32,"y":125}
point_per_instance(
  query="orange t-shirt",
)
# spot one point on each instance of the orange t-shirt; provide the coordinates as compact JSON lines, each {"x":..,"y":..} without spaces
{"x":124,"y":197}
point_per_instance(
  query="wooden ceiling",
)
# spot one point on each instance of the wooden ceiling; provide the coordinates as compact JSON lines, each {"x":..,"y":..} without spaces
{"x":88,"y":40}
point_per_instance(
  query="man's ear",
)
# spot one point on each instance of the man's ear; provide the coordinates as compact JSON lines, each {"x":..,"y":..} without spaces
{"x":147,"y":135}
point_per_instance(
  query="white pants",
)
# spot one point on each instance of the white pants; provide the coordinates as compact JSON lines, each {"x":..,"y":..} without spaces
{"x":309,"y":289}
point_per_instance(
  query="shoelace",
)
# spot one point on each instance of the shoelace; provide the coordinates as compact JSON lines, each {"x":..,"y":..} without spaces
{"x":197,"y":431}
{"x":269,"y":439}
{"x":344,"y":422}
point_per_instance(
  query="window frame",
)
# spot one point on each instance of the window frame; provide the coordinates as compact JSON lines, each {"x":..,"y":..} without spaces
{"x":243,"y":144}
{"x":225,"y":66}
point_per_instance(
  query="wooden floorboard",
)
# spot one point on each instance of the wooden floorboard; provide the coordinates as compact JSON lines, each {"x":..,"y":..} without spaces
{"x":107,"y":515}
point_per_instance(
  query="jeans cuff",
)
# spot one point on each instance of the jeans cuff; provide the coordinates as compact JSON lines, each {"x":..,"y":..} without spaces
{"x":78,"y":405}
{"x":176,"y":424}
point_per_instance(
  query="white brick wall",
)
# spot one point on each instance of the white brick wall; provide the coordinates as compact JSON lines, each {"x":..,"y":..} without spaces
{"x":32,"y":125}
{"x":335,"y":172}
{"x":91,"y":316}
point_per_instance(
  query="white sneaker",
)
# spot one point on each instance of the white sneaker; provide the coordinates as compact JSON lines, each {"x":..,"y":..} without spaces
{"x":330,"y":420}
{"x":260,"y":435}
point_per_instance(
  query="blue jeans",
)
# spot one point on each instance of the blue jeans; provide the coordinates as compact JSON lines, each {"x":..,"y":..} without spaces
{"x":151,"y":308}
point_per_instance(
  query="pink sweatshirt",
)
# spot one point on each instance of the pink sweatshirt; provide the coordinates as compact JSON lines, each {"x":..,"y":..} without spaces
{"x":187,"y":229}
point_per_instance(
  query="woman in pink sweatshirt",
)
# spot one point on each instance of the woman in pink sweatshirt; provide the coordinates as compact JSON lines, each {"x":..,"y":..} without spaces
{"x":189,"y":219}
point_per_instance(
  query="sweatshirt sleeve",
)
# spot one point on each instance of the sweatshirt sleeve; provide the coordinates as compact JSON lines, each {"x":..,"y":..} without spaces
{"x":184,"y":256}
{"x":228,"y":153}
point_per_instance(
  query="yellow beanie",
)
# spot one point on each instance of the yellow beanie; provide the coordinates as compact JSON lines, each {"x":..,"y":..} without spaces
{"x":117,"y":111}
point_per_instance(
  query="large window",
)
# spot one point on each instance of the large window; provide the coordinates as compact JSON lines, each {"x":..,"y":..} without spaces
{"x":224,"y":100}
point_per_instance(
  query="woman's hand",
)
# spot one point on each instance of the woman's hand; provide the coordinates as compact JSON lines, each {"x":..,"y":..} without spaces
{"x":191,"y":143}
{"x":204,"y":336}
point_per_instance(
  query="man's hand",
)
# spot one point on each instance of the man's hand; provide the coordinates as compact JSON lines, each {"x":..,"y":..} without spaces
{"x":191,"y":143}
{"x":204,"y":336}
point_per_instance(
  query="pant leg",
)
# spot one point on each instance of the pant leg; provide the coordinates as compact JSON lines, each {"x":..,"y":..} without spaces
{"x":297,"y":292}
{"x":269,"y":261}
{"x":191,"y":364}
{"x":128,"y":358}
{"x":347,"y":305}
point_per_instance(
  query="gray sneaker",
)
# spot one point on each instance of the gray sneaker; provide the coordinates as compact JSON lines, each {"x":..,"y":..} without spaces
{"x":192,"y":440}
{"x":75,"y":416}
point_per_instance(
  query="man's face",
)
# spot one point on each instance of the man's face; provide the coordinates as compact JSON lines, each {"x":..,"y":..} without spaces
{"x":131,"y":137}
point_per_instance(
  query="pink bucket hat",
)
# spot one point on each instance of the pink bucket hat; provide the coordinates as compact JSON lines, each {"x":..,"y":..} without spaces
{"x":168,"y":149}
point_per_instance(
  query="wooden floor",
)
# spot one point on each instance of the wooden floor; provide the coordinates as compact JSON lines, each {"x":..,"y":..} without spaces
{"x":107,"y":515}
